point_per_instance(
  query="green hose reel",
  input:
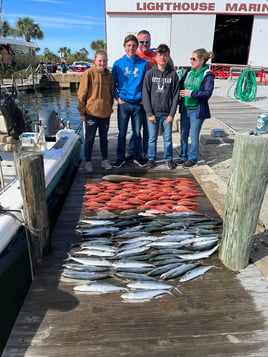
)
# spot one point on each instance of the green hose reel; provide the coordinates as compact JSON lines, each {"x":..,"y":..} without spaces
{"x":246,"y":86}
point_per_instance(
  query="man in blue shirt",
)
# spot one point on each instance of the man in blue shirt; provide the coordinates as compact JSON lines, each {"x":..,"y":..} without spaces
{"x":128,"y":73}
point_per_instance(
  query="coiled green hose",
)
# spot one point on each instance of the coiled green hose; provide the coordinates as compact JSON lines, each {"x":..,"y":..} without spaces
{"x":246,"y":86}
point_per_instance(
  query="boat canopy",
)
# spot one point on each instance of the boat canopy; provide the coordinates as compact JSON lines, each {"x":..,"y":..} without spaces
{"x":19,"y":47}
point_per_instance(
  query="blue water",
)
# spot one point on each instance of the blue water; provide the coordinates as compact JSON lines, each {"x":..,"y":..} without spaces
{"x":63,"y":102}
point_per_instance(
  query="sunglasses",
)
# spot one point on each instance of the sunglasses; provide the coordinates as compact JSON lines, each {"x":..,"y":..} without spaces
{"x":143,"y":42}
{"x":193,"y":59}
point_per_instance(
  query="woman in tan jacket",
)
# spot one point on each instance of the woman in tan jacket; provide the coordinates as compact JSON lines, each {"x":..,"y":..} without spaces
{"x":95,"y":102}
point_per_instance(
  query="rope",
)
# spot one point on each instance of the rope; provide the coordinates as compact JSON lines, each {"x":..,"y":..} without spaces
{"x":246,"y":86}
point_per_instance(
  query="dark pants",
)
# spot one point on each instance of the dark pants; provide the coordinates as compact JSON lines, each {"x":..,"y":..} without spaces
{"x":92,"y":124}
{"x":145,"y":138}
{"x":125,"y":111}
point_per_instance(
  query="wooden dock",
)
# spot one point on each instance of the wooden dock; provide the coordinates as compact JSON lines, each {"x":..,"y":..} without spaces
{"x":219,"y":314}
{"x":222,"y":313}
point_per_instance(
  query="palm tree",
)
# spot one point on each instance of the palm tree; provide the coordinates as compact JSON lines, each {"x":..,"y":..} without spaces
{"x":27,"y":28}
{"x":48,"y":55}
{"x":6,"y":29}
{"x":98,"y":45}
{"x":64,"y":51}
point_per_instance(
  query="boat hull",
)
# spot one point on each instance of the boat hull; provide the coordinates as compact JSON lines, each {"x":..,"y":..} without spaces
{"x":15,"y":263}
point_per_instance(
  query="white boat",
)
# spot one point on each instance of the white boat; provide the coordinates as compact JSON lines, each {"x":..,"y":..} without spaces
{"x":61,"y":150}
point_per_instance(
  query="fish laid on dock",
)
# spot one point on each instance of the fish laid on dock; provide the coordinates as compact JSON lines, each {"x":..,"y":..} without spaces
{"x":141,"y":251}
{"x":99,"y":288}
{"x":144,"y":295}
{"x":120,"y":178}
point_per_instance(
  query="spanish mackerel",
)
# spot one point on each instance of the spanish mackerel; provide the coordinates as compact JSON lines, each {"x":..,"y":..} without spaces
{"x":99,"y":288}
{"x":144,"y":295}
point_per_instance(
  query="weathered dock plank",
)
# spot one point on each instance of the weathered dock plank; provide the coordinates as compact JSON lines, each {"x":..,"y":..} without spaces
{"x":221,"y":314}
{"x":216,"y":315}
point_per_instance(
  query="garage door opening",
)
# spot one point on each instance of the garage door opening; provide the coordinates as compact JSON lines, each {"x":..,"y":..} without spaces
{"x":232,"y":39}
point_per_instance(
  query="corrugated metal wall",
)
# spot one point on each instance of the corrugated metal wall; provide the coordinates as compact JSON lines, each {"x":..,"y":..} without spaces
{"x":188,"y":33}
{"x":258,"y":54}
{"x":119,"y":26}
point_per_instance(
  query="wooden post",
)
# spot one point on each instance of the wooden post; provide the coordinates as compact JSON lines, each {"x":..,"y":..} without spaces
{"x":246,"y":188}
{"x":30,"y":168}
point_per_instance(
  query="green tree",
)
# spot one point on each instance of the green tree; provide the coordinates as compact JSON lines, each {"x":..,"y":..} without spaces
{"x":64,"y":52}
{"x":48,"y":55}
{"x":81,"y":55}
{"x":27,"y":28}
{"x":98,"y":45}
{"x":6,"y":29}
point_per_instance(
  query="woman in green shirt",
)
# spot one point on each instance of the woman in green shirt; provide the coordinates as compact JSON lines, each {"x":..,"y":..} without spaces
{"x":196,"y":85}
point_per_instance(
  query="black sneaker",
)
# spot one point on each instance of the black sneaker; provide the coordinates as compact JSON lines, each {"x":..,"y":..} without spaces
{"x":171,"y":165}
{"x":151,"y":164}
{"x":181,"y":161}
{"x":140,"y":162}
{"x":130,"y":158}
{"x":189,"y":163}
{"x":119,"y":163}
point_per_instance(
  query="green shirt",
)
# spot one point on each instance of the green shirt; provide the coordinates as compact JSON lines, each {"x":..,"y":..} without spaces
{"x":193,"y":82}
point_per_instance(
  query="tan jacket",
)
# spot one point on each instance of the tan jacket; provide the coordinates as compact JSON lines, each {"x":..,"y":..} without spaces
{"x":95,"y":93}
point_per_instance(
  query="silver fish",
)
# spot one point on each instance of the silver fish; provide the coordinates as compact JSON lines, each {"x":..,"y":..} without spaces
{"x":94,"y":252}
{"x":98,"y":231}
{"x":139,"y":238}
{"x":131,"y":252}
{"x":131,"y":264}
{"x":199,"y":255}
{"x":173,"y":273}
{"x":149,"y":285}
{"x":163,"y":269}
{"x":202,"y":245}
{"x":81,"y":267}
{"x":99,"y":288}
{"x":194,"y":273}
{"x":101,"y":247}
{"x":90,"y":261}
{"x":175,"y":225}
{"x":166,"y":244}
{"x":96,"y":222}
{"x":85,"y":275}
{"x":120,"y":178}
{"x":132,"y":276}
{"x":144,"y":295}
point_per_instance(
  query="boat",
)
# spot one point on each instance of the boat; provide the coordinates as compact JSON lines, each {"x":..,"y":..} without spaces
{"x":60,"y":147}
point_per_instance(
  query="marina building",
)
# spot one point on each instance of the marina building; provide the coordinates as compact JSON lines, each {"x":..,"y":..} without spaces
{"x":236,"y":32}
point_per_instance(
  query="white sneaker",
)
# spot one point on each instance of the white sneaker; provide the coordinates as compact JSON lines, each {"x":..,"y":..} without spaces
{"x":88,"y":167}
{"x":106,"y":165}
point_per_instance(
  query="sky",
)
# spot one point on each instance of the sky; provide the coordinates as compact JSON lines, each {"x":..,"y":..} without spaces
{"x":65,"y":23}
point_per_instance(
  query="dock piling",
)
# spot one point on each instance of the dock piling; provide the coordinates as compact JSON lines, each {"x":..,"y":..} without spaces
{"x":245,"y":192}
{"x":30,"y":169}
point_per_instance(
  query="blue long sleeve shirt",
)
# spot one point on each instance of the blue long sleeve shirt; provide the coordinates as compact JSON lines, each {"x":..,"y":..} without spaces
{"x":128,"y":74}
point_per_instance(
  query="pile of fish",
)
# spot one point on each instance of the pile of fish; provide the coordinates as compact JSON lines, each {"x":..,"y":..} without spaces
{"x":150,"y":254}
{"x":164,"y":195}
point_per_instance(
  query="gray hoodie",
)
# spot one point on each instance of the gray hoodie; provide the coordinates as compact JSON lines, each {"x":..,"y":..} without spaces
{"x":160,"y":93}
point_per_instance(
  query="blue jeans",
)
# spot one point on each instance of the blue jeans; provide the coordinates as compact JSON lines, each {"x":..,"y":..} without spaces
{"x":124,"y":112}
{"x":145,"y":136}
{"x":190,"y":123}
{"x":92,"y":124}
{"x":153,"y":129}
